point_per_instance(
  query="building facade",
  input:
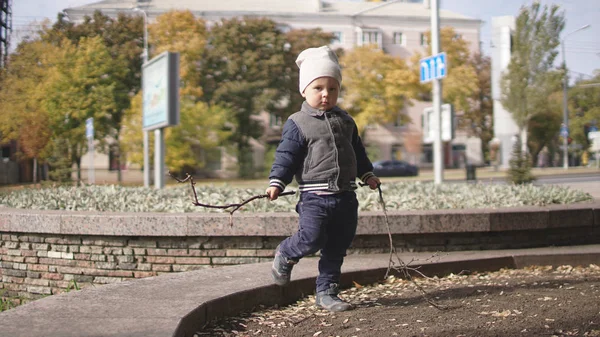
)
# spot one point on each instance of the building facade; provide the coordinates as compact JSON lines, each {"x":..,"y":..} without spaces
{"x":505,"y":128}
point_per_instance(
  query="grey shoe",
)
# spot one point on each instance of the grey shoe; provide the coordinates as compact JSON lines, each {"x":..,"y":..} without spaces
{"x":329,"y":300}
{"x":282,"y":268}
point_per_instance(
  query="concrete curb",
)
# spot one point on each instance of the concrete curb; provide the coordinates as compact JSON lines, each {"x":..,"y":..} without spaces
{"x":180,"y":304}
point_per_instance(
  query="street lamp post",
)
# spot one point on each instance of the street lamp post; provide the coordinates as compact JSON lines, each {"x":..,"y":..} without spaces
{"x":565,"y":96}
{"x":145,"y":56}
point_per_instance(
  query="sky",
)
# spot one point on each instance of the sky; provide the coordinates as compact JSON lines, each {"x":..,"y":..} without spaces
{"x":582,"y":49}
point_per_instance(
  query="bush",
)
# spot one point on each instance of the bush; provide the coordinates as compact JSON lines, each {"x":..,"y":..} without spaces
{"x":520,"y":166}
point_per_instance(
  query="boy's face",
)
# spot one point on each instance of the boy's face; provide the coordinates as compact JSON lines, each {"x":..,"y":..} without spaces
{"x":322,"y":93}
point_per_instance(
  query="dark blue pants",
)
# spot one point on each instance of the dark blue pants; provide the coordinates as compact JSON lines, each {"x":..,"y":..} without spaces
{"x":327,"y":223}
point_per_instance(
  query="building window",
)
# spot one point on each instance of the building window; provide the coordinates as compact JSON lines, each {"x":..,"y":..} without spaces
{"x":399,"y":38}
{"x":368,"y":36}
{"x":424,"y":42}
{"x":337,"y":37}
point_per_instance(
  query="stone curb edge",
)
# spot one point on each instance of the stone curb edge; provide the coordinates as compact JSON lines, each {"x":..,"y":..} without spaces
{"x":283,"y":224}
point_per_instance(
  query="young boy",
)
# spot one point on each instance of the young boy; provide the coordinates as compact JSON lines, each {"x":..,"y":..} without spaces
{"x":320,"y":146}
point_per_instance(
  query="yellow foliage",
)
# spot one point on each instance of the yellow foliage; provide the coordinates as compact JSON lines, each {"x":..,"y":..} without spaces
{"x":376,"y":86}
{"x":182,"y":32}
{"x":22,"y":114}
{"x":461,"y":81}
{"x":201,"y":128}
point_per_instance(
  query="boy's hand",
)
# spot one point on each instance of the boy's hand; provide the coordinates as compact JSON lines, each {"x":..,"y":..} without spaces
{"x":273,"y":192}
{"x":373,"y":182}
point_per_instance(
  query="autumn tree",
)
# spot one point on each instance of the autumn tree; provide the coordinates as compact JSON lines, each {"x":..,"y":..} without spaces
{"x":460,"y":84}
{"x":478,"y":114}
{"x":22,"y":116}
{"x":529,"y":79}
{"x":202,"y":128}
{"x":182,"y":32}
{"x":242,"y":70}
{"x":376,"y":86}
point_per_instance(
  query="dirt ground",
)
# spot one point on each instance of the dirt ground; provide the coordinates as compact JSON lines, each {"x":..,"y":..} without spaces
{"x":537,"y":301}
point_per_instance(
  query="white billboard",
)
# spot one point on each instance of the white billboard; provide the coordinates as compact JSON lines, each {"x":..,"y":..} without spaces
{"x":160,"y":85}
{"x":430,"y":124}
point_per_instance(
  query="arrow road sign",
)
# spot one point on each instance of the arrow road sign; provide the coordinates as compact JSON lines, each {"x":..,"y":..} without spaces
{"x":433,"y":67}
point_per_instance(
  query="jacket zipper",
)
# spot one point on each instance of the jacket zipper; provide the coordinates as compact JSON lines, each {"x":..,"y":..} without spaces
{"x":337,"y":159}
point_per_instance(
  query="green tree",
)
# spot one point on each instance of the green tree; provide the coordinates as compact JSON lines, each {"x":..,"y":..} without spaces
{"x":529,"y":81}
{"x":200,"y":133}
{"x":584,"y":108}
{"x":132,"y":135}
{"x":543,"y":127}
{"x":122,"y":36}
{"x":519,"y":171}
{"x":377,"y":86}
{"x":83,"y":85}
{"x":242,"y":70}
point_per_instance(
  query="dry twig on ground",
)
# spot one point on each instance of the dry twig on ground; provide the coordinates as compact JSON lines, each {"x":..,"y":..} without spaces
{"x":400,"y":266}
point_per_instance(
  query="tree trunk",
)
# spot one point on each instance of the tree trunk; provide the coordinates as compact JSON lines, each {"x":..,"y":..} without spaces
{"x":35,"y":167}
{"x":78,"y":164}
{"x":524,"y":140}
{"x":119,"y":173}
{"x":118,"y":154}
{"x":45,"y":172}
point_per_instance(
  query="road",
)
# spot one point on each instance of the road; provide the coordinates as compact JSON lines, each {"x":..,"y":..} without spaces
{"x":579,"y":178}
{"x":589,"y":183}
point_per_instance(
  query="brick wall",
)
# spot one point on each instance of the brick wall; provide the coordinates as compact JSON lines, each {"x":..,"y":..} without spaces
{"x":46,"y":253}
{"x":36,"y":265}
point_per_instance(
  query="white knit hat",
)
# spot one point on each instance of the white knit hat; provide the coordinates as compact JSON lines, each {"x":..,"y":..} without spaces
{"x":318,"y":62}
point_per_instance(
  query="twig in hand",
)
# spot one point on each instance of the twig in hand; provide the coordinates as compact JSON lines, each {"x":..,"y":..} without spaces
{"x":234,"y":207}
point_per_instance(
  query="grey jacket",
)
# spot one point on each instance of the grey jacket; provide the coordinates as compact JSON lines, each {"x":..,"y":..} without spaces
{"x":322,"y":150}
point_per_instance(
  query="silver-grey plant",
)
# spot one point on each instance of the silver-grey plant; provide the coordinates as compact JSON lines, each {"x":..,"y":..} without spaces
{"x":178,"y":199}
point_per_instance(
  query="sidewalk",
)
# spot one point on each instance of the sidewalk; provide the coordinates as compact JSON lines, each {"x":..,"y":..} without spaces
{"x":180,"y":304}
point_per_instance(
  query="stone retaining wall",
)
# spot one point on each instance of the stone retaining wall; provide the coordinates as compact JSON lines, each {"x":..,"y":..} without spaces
{"x":48,"y":252}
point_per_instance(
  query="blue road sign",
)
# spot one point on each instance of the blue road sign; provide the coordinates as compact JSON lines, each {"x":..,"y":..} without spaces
{"x":433,"y":67}
{"x":89,"y":128}
{"x":564,"y":131}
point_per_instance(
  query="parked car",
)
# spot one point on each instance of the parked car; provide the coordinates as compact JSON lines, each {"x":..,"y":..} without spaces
{"x":394,"y":168}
